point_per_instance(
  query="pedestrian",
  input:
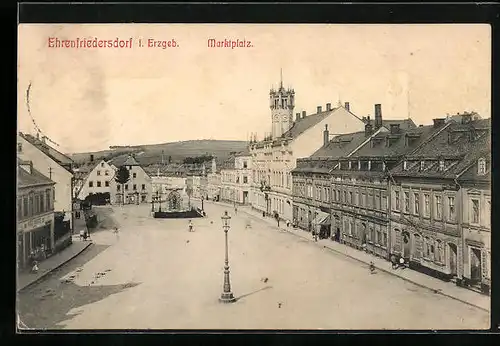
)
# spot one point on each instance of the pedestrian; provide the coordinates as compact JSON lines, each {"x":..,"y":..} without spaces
{"x":372,"y":268}
{"x":190,"y":226}
{"x":263,"y":214}
{"x":401,"y":262}
{"x":82,"y":234}
{"x":235,"y":210}
{"x":287,"y":223}
{"x":34,"y":269}
{"x":394,"y":262}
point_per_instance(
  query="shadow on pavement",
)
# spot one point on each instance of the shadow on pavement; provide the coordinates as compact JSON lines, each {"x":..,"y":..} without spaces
{"x":48,"y":302}
{"x":256,"y":291}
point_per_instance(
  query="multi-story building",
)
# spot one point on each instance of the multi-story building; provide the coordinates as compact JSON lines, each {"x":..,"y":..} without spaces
{"x":56,"y":166}
{"x":138,"y":188}
{"x":274,"y":158}
{"x":440,"y":213}
{"x":97,"y":180}
{"x":35,"y":214}
{"x":235,"y":179}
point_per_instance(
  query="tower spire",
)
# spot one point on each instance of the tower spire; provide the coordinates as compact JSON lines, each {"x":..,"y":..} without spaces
{"x":281,"y":77}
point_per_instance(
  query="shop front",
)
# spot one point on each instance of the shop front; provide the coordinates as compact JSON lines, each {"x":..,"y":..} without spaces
{"x":35,"y":239}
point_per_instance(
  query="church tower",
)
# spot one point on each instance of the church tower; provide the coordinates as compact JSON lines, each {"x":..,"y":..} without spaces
{"x":282,"y":102}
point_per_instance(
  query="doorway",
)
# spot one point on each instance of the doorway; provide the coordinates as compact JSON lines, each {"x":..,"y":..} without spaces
{"x":452,"y":258}
{"x":245,"y":197}
{"x":406,"y":245}
{"x":475,"y":264}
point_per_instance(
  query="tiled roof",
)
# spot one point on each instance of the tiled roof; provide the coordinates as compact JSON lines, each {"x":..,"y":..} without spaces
{"x":24,"y":179}
{"x":341,"y":145}
{"x":458,"y":145}
{"x":404,"y":124}
{"x":53,"y":153}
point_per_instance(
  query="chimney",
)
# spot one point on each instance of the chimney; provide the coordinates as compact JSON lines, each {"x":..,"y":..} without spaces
{"x":297,"y":116}
{"x":378,"y":116}
{"x":319,"y":109}
{"x":91,"y":158}
{"x":303,"y":114}
{"x":394,"y":129}
{"x":346,"y":106}
{"x":43,"y":139}
{"x":326,"y":136}
{"x":368,"y":127}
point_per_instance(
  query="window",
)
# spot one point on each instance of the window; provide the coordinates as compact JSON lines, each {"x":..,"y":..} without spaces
{"x":416,"y":206}
{"x":439,"y":209}
{"x":98,"y":172}
{"x":379,"y":237}
{"x":422,"y":165}
{"x":384,"y":238}
{"x":363,"y":200}
{"x":407,"y":202}
{"x":98,"y":183}
{"x":356,"y":197}
{"x":106,"y":183}
{"x":91,"y":184}
{"x":134,"y":187}
{"x":37,"y":205}
{"x":19,"y":206}
{"x":451,"y":208}
{"x":134,"y":175}
{"x":126,"y":186}
{"x":106,"y":172}
{"x":102,"y":164}
{"x":396,"y":200}
{"x":42,"y":205}
{"x":429,"y":248}
{"x":475,"y":210}
{"x":245,"y":179}
{"x":488,"y":212}
{"x":481,"y":166}
{"x":441,"y":165}
{"x":143,"y":186}
{"x":439,"y":251}
{"x":245,"y":164}
{"x":118,"y":186}
{"x":372,"y":234}
{"x":345,"y":196}
{"x":25,"y":206}
{"x":19,"y":147}
{"x":384,"y":202}
{"x":350,"y":197}
{"x":129,"y":168}
{"x":426,"y":205}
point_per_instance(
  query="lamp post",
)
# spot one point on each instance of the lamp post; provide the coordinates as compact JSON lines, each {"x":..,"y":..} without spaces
{"x":227,"y":295}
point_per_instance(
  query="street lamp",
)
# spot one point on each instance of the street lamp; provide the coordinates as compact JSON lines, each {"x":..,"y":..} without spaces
{"x":227,"y":295}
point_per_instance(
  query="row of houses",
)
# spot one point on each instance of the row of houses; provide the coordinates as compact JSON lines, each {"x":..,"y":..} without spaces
{"x":45,"y":218}
{"x":389,"y":187}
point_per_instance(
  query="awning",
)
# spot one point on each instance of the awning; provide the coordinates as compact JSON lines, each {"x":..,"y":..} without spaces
{"x":320,"y":218}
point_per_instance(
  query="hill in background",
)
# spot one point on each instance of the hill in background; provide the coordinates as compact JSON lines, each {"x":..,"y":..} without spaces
{"x":177,"y":151}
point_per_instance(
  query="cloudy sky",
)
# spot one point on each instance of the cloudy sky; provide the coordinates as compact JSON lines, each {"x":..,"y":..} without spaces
{"x":89,"y":99}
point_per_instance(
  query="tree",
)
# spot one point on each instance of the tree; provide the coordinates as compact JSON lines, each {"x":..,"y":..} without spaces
{"x":122,"y":177}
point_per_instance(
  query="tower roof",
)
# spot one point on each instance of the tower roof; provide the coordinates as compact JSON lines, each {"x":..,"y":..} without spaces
{"x":131,"y":161}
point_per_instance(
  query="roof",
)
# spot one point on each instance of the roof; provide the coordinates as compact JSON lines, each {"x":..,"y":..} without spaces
{"x":130,"y":161}
{"x":403,"y":124}
{"x":458,"y":145}
{"x":341,"y":145}
{"x":301,"y":125}
{"x":25,"y":179}
{"x":51,"y":152}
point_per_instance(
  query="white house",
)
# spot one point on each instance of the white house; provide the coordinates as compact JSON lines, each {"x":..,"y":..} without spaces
{"x":136,"y":190}
{"x":98,"y":180}
{"x":236,"y":180}
{"x":275,"y":157}
{"x":53,"y":164}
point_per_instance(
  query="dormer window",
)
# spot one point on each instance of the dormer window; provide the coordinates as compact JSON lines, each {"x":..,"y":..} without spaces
{"x":405,"y":165}
{"x":422,"y":165}
{"x":481,"y":166}
{"x":19,"y":147}
{"x":441,"y":165}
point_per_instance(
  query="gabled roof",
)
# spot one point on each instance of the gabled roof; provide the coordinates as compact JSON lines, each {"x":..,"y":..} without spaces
{"x":301,"y":125}
{"x":25,"y":179}
{"x":47,"y":149}
{"x":130,"y":161}
{"x":403,"y":124}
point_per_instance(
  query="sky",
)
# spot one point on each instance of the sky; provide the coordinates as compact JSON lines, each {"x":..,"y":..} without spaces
{"x":88,"y":99}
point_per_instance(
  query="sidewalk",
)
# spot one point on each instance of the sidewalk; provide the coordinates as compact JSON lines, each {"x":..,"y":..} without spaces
{"x":26,"y":279}
{"x":444,"y":288}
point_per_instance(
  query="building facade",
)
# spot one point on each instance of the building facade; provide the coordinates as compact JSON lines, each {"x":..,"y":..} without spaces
{"x":236,"y":180}
{"x":138,"y":188}
{"x":440,"y":204}
{"x":35,"y":214}
{"x":53,"y":164}
{"x":275,"y":157}
{"x":98,"y":180}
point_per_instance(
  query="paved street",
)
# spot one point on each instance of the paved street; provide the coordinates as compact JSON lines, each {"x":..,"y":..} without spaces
{"x":155,"y":274}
